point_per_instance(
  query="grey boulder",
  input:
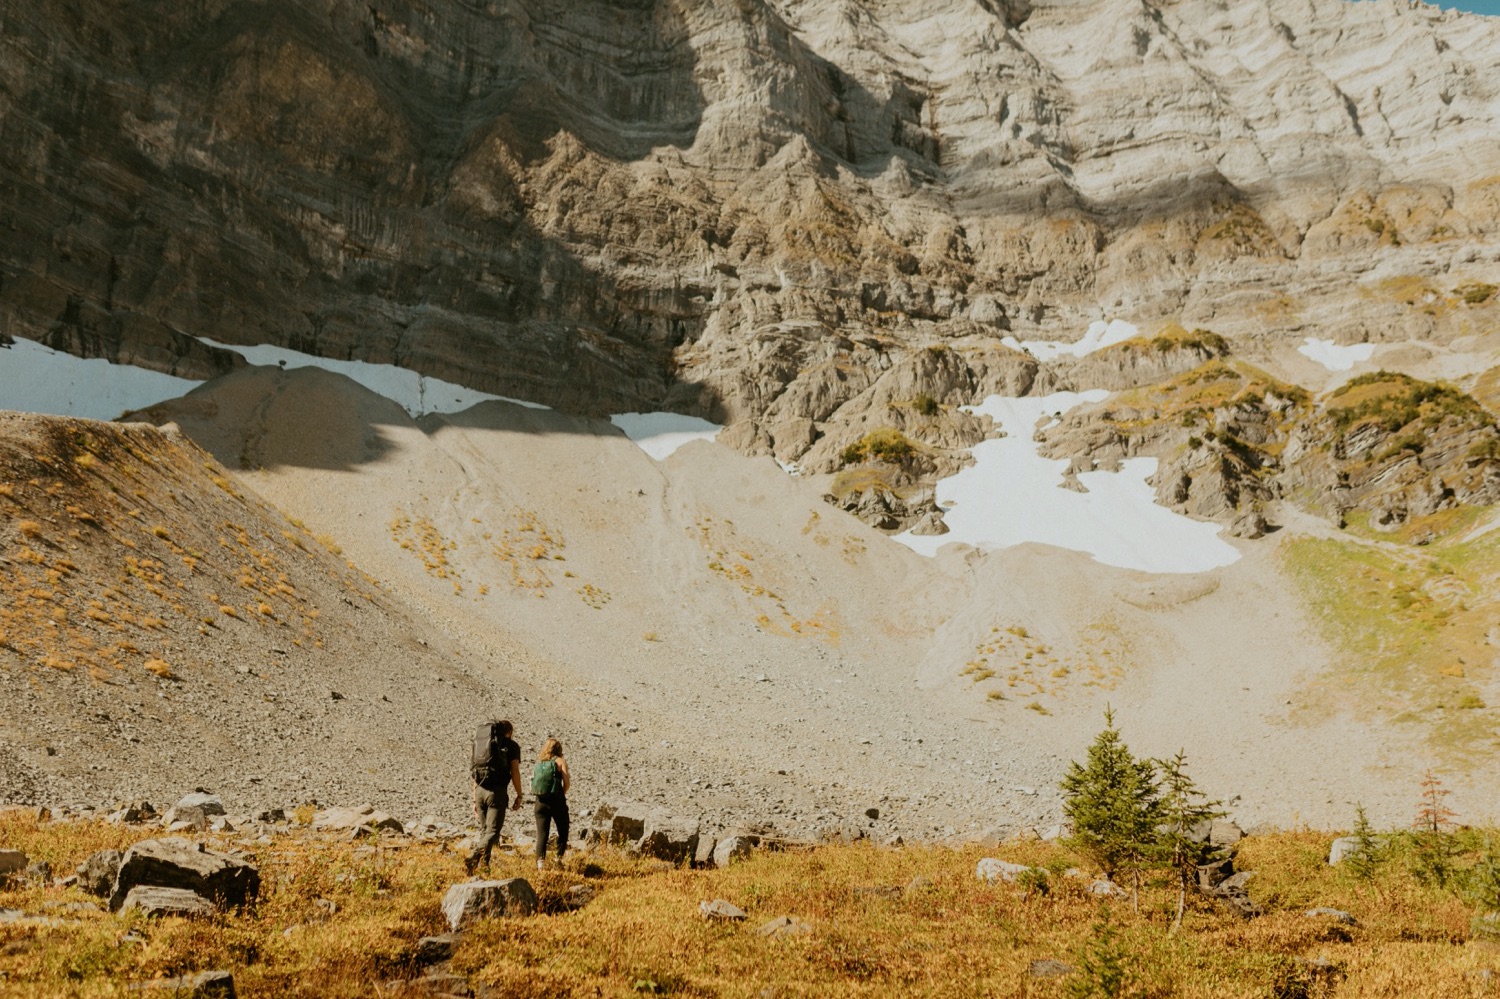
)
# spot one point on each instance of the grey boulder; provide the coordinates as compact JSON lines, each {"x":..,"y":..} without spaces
{"x":361,"y":817}
{"x":472,"y":901}
{"x":785,"y":926}
{"x":97,"y":874}
{"x":735,"y":846}
{"x":154,"y":901}
{"x":721,"y":911}
{"x":179,"y":863}
{"x":669,"y":838}
{"x":210,"y":804}
{"x":993,"y":870}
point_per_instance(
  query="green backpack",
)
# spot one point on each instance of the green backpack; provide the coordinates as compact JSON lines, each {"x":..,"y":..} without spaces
{"x":546,"y":778}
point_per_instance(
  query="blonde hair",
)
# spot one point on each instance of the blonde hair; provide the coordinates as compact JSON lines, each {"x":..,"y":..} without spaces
{"x":551,"y":749}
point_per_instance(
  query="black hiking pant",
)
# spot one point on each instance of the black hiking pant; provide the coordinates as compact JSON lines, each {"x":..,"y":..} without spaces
{"x":551,"y":809}
{"x":491,"y":818}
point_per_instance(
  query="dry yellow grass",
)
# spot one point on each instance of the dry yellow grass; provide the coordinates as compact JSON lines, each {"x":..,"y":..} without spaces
{"x":932,"y":929}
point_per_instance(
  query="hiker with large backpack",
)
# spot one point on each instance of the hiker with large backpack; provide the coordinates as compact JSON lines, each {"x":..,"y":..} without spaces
{"x":549,"y":786}
{"x":496,"y":760}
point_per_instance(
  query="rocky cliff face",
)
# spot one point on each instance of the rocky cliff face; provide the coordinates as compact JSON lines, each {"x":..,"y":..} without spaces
{"x":764,"y":211}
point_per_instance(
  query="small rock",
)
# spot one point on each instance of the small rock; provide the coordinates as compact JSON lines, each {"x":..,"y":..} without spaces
{"x":703,"y":856}
{"x":154,"y":901}
{"x":1104,"y":888}
{"x":872,"y":814}
{"x":992,"y":870}
{"x":185,"y":817}
{"x":1049,"y":968}
{"x":11,"y":915}
{"x":203,"y":985}
{"x":578,"y":896}
{"x":472,"y":901}
{"x":38,"y":872}
{"x":1338,"y":915}
{"x":721,"y":911}
{"x":431,"y":950}
{"x":919,"y":883}
{"x":270,"y":816}
{"x":785,"y":926}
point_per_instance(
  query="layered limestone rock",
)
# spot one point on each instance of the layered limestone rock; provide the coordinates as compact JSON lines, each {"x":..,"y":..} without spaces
{"x":1232,"y":441}
{"x":765,"y":212}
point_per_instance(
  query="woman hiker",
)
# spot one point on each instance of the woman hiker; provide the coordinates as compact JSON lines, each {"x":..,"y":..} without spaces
{"x":549,"y":789}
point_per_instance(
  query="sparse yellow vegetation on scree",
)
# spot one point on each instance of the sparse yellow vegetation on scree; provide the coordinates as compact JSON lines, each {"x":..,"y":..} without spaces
{"x":932,"y":928}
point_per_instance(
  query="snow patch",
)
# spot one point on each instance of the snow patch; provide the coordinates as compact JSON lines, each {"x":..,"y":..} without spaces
{"x":1098,"y":336}
{"x":659,"y":434}
{"x":416,"y":393}
{"x":1011,"y":495}
{"x":1336,"y":357}
{"x":38,"y":379}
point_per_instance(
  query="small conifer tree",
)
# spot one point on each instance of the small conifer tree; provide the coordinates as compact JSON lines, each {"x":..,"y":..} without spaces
{"x":1365,"y":856}
{"x":1183,"y":808}
{"x":1113,"y":802}
{"x":1434,"y":847}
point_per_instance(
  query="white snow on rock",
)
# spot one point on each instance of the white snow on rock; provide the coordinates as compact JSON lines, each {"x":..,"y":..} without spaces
{"x":659,"y":434}
{"x":414,"y":392}
{"x":1336,"y":357}
{"x":1011,"y":495}
{"x":1098,"y":336}
{"x":38,"y":379}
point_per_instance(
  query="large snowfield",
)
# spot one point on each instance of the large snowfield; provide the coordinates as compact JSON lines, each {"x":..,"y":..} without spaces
{"x":1012,"y":495}
{"x":38,"y":379}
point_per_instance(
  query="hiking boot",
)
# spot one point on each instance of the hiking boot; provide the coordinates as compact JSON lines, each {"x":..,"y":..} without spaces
{"x":471,"y":863}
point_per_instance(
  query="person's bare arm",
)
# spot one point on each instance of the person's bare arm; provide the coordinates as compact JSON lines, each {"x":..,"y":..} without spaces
{"x":562,"y":765}
{"x":515,"y":779}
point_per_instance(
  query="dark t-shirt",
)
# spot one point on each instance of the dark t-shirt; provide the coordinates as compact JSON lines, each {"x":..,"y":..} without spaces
{"x":508,"y":752}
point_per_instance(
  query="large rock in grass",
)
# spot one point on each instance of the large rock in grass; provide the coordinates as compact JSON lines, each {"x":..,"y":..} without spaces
{"x":472,"y":901}
{"x":736,"y":846}
{"x":12,"y":864}
{"x":179,"y":863}
{"x":669,"y":838}
{"x":616,"y":824}
{"x":97,"y":874}
{"x":361,"y":817}
{"x":992,"y":870}
{"x":154,"y":901}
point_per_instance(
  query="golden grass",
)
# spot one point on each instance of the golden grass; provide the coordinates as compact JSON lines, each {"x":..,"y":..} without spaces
{"x":935,"y":931}
{"x":1410,"y":623}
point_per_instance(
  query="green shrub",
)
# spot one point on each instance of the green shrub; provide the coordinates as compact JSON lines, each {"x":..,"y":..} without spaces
{"x":886,"y":444}
{"x":1475,"y":293}
{"x":925,"y":405}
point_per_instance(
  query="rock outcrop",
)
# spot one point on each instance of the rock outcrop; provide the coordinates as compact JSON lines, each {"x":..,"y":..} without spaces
{"x":178,"y":863}
{"x":762,"y":212}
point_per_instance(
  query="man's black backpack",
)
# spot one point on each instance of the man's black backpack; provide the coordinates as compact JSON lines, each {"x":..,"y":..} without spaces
{"x":488,"y":761}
